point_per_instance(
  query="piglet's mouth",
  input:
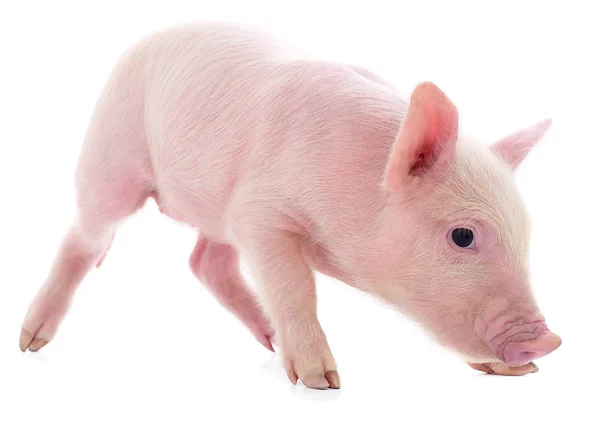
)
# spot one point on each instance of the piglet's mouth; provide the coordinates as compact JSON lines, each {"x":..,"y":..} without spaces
{"x":502,"y":369}
{"x":518,"y":356}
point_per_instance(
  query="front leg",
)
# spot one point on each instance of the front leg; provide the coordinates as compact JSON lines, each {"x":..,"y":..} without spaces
{"x":289,"y":291}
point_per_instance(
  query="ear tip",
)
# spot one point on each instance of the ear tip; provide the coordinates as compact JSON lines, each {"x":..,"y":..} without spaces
{"x":545,"y":124}
{"x":426,"y":87}
{"x":425,"y":84}
{"x":428,"y":92}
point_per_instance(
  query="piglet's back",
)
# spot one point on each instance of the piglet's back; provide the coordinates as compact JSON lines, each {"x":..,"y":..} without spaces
{"x":225,"y":103}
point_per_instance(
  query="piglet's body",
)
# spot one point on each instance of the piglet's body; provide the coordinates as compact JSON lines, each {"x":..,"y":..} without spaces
{"x":303,"y":165}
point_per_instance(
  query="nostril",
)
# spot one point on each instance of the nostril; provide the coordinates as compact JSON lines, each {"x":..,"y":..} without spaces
{"x":516,"y":355}
{"x":522,"y":352}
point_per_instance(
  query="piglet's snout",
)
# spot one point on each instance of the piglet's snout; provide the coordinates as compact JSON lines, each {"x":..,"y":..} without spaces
{"x":518,"y":335}
{"x":517,"y":353}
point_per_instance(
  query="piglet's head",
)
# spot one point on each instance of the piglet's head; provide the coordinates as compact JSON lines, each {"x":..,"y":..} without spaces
{"x":462,"y":236}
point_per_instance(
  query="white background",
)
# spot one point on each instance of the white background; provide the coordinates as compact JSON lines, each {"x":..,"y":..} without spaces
{"x":144,"y":341}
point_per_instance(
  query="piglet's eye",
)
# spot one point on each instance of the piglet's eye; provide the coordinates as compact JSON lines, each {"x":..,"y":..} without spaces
{"x":463,"y":237}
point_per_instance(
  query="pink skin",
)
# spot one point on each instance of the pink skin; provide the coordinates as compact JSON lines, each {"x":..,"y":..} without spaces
{"x":303,"y":165}
{"x":217,"y":265}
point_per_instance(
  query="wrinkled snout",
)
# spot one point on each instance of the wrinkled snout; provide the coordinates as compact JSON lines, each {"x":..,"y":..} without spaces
{"x":517,"y":336}
{"x":517,"y":353}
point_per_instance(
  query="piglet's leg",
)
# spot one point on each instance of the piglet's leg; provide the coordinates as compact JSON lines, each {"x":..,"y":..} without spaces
{"x":84,"y":245}
{"x":217,"y":266}
{"x":289,"y":289}
{"x":78,"y":253}
{"x":104,"y":204}
{"x":112,"y":181}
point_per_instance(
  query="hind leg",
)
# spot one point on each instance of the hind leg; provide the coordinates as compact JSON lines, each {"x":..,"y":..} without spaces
{"x":84,"y":246}
{"x":77,"y":254}
{"x":217,"y":266}
{"x":112,"y":181}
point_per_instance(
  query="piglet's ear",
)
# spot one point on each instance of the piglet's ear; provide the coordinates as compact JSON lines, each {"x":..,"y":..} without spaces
{"x":427,"y":139}
{"x":515,"y":147}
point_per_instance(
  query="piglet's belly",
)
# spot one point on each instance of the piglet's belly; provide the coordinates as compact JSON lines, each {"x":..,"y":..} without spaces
{"x":194,"y":208}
